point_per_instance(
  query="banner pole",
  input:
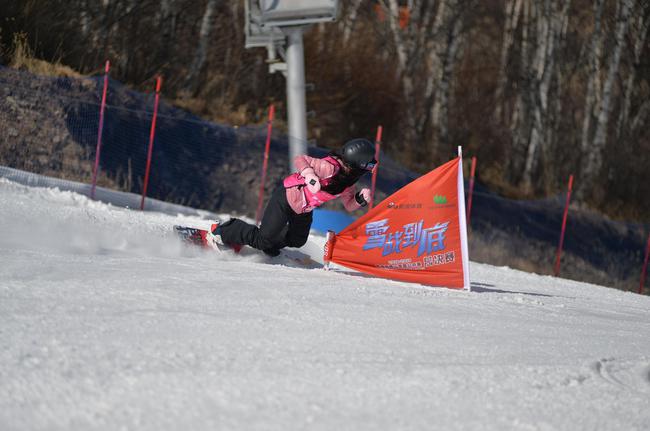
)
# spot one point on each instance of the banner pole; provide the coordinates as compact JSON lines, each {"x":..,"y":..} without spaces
{"x":99,"y":132}
{"x":562,"y":232}
{"x":265,"y":164}
{"x":464,"y":246}
{"x":471,"y":190}
{"x":329,"y":249}
{"x":645,"y":267}
{"x":374,"y":171}
{"x":151,"y":139}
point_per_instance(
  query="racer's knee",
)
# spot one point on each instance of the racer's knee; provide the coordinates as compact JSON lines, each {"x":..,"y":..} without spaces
{"x":265,"y":243}
{"x":297,"y":241}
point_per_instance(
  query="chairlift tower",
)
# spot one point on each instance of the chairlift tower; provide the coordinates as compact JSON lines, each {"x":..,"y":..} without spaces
{"x":279,"y":25}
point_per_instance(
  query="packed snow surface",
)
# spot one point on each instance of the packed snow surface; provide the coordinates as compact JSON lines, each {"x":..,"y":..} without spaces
{"x":108,"y":322}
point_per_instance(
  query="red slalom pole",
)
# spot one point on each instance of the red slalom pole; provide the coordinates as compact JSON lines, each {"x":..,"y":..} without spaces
{"x":265,"y":165}
{"x":376,"y":168}
{"x":151,"y":137}
{"x":99,"y":132}
{"x":566,"y":213}
{"x":471,"y":189}
{"x":645,"y":267}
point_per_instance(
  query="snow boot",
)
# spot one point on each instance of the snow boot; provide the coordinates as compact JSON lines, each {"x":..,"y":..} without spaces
{"x":213,"y":240}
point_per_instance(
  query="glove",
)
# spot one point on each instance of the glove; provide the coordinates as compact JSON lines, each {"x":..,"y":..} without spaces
{"x":311,"y":180}
{"x":362,"y":197}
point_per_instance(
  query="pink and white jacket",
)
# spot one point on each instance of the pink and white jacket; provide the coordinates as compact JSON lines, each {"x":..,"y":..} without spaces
{"x":299,"y":197}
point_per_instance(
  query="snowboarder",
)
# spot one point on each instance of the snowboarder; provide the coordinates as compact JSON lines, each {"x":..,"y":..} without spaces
{"x":288,"y":215}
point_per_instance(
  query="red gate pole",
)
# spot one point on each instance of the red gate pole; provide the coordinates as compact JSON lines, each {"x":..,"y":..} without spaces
{"x":645,"y":266}
{"x":471,"y":189}
{"x":566,"y":213}
{"x":151,"y":137}
{"x":376,"y":168}
{"x":265,"y":165}
{"x":99,"y":132}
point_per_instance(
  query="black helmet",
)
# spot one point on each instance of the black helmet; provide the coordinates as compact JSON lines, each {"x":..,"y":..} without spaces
{"x":359,"y":153}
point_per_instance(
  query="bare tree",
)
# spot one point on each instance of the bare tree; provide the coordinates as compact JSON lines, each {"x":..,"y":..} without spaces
{"x":168,"y":21}
{"x":519,"y":122}
{"x":593,"y":83}
{"x":543,"y":33}
{"x":350,"y":19}
{"x":551,"y":25}
{"x":640,"y":28}
{"x":452,"y":46}
{"x":513,"y":14}
{"x":427,"y":53}
{"x":593,"y":159}
{"x":417,"y":63}
{"x":207,"y":24}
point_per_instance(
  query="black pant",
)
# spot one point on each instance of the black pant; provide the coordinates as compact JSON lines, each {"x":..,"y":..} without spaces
{"x":280,"y":227}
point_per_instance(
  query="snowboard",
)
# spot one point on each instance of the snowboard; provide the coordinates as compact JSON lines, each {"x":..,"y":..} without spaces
{"x":199,"y":237}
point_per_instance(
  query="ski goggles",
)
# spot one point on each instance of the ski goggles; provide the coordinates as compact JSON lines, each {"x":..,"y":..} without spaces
{"x":369,"y":166}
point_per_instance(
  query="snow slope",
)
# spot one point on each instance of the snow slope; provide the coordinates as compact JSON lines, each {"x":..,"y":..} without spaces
{"x":107,"y":322}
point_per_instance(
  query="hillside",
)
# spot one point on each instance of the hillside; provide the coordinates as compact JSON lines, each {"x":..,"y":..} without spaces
{"x":52,"y":125}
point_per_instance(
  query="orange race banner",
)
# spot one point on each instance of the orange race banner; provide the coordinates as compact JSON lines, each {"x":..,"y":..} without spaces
{"x":418,"y":234}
